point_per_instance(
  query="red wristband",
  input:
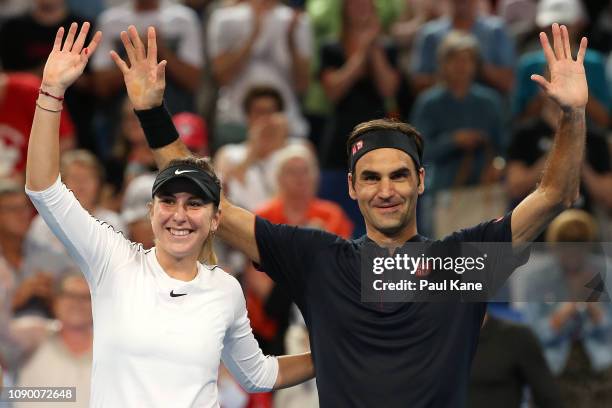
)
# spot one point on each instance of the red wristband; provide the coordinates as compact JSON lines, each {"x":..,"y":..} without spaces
{"x":57,"y":98}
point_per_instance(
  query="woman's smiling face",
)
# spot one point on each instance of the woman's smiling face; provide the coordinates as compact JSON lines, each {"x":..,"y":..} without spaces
{"x":181,"y":223}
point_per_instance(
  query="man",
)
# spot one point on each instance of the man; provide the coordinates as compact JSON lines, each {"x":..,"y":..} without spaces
{"x":496,"y":46}
{"x":64,"y":359}
{"x":375,"y":354}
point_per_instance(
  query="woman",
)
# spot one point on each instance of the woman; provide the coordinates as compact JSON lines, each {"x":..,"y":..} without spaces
{"x":162,"y":321}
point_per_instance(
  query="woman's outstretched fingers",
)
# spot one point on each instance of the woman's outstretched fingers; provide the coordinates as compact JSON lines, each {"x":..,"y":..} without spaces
{"x":80,"y":41}
{"x":57,"y":44}
{"x":70,"y":37}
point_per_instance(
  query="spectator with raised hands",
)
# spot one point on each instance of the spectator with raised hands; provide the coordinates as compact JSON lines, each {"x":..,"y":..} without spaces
{"x":359,"y":76}
{"x":163,"y":321}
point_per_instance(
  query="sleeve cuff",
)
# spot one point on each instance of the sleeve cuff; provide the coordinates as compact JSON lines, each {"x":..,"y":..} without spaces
{"x":47,"y":191}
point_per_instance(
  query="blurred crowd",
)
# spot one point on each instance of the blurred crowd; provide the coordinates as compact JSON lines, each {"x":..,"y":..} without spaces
{"x":271,"y":89}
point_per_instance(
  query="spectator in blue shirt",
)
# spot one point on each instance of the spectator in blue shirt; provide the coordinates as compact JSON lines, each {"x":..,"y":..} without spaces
{"x":460,"y":120}
{"x":496,"y":46}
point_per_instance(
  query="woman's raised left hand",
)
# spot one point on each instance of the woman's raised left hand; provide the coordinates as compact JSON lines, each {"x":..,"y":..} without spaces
{"x":67,"y":61}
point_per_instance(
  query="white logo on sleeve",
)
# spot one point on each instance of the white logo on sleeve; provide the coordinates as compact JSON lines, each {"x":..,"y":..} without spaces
{"x":178,"y":172}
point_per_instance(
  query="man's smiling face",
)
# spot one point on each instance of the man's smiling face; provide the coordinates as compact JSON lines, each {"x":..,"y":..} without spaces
{"x":386,"y":186}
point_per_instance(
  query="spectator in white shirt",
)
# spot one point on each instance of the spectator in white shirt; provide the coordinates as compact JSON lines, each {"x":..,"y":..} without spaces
{"x":260,"y":42}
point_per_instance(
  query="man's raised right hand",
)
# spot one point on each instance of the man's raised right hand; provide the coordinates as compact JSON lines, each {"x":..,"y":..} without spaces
{"x":144,"y":78}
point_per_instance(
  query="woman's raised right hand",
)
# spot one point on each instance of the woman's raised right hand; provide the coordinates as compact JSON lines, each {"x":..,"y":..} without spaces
{"x":66,"y":62}
{"x":144,"y":78}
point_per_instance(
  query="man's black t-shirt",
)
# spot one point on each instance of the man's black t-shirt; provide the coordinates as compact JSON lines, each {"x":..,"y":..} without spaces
{"x":366,"y":355}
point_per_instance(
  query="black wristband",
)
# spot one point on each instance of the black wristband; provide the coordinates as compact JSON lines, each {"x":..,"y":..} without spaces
{"x":158,"y":126}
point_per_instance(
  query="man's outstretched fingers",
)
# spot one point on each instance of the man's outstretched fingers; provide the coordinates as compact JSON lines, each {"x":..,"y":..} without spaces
{"x":548,"y":52}
{"x":540,"y":80}
{"x":138,"y":45}
{"x":151,"y":45}
{"x":566,"y":42}
{"x":557,"y":42}
{"x":582,"y":50}
{"x":161,"y":70}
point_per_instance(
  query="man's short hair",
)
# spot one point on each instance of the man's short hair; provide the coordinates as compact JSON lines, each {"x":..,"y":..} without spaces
{"x":457,"y":41}
{"x":262,"y":91}
{"x":386,"y":124}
